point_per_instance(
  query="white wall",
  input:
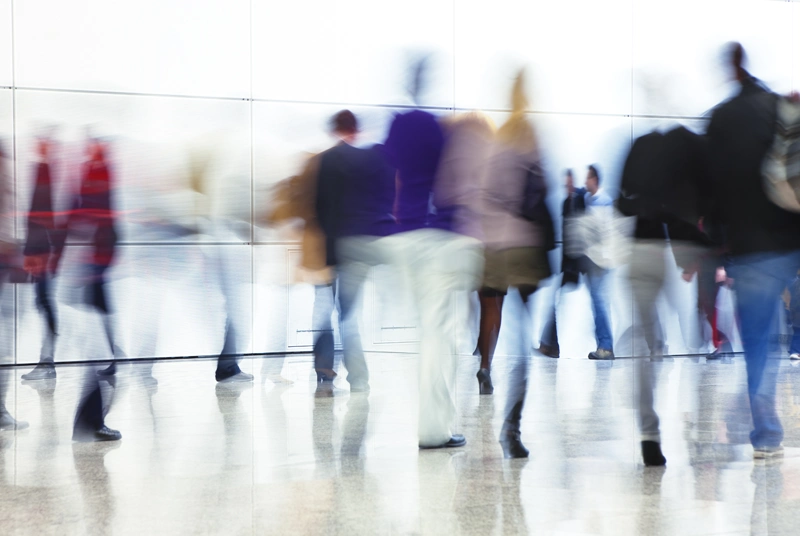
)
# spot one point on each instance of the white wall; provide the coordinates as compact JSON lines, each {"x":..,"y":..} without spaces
{"x":257,"y":81}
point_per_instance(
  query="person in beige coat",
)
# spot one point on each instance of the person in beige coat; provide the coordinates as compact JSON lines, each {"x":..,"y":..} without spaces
{"x":294,"y":198}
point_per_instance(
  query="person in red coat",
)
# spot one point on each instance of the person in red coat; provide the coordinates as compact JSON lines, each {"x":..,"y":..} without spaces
{"x":92,"y":213}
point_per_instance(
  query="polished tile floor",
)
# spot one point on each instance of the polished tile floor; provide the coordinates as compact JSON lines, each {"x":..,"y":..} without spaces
{"x":198,"y":458}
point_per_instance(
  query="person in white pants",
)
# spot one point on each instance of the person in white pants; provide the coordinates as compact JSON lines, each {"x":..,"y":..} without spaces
{"x":437,"y":265}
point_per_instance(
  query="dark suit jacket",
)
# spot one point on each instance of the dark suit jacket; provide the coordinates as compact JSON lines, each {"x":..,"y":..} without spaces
{"x":355,"y":195}
{"x":740,"y":134}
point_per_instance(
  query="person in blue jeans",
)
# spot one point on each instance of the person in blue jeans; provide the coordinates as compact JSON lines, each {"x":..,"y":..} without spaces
{"x":763,"y":239}
{"x":760,"y":278}
{"x":578,"y":202}
{"x":597,"y":199}
{"x":793,"y":314}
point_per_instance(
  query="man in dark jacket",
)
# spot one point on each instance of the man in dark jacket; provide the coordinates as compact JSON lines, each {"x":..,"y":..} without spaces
{"x":574,"y":205}
{"x":355,"y":193}
{"x":763,"y":239}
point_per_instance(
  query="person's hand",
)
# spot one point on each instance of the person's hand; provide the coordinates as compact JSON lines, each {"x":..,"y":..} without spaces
{"x":689,"y":271}
{"x":35,"y":264}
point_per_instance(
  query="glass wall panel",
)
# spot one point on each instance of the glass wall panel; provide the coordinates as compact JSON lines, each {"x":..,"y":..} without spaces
{"x":677,"y":51}
{"x":6,"y":43}
{"x":577,"y":53}
{"x":354,"y":51}
{"x":178,"y":47}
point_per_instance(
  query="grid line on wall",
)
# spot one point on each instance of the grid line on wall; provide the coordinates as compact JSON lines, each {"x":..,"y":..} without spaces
{"x":355,"y":104}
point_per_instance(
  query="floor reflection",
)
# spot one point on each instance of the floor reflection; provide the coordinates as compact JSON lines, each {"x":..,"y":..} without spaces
{"x":274,"y":457}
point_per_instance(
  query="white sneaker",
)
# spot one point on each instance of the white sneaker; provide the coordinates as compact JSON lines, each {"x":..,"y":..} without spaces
{"x":794,"y":357}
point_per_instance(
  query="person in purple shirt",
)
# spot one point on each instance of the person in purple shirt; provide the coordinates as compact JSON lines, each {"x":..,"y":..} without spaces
{"x":436,"y":262}
{"x":596,"y":198}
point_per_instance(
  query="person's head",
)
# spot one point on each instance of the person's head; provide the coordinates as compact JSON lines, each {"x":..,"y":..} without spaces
{"x":736,"y":60}
{"x":96,"y":149}
{"x":345,"y":126}
{"x":569,"y":180}
{"x":42,"y":148}
{"x":592,"y":180}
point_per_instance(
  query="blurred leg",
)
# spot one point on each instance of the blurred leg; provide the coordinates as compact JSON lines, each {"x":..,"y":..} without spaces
{"x":646,"y":275}
{"x":90,"y":416}
{"x":227,"y":362}
{"x":439,"y":265}
{"x":491,"y":316}
{"x":324,"y":302}
{"x":46,"y":368}
{"x":550,"y":332}
{"x":520,"y":327}
{"x":45,"y":304}
{"x":357,"y":255}
{"x":760,"y":279}
{"x":598,"y":288}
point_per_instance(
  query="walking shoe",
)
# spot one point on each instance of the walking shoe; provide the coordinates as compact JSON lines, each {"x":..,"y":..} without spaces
{"x":512,"y":445}
{"x":549,"y":351}
{"x":602,"y":354}
{"x":237,"y":377}
{"x":43,"y":371}
{"x":724,"y":350}
{"x":325,"y":375}
{"x":485,"y":382}
{"x":104,"y":433}
{"x":794,"y":357}
{"x":763,"y":453}
{"x":652,"y":455}
{"x":7,"y":422}
{"x":457,"y":440}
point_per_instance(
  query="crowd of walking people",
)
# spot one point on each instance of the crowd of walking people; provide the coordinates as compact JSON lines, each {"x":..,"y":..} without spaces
{"x":458,"y":205}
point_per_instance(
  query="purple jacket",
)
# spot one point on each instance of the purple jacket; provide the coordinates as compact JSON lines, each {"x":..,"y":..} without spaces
{"x":414,"y":148}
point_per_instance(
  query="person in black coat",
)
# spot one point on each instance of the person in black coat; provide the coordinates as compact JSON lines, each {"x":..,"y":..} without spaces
{"x":763,"y":239}
{"x":39,"y":251}
{"x":571,"y":268}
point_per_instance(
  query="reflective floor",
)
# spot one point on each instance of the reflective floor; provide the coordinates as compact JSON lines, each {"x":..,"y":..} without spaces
{"x":199,"y":458}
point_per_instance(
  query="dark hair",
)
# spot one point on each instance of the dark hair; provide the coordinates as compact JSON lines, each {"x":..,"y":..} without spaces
{"x":736,"y":56}
{"x":344,"y":122}
{"x":593,"y":172}
{"x":568,"y":173}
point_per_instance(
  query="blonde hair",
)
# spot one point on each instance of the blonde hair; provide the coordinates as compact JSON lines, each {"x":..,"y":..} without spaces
{"x":475,"y":120}
{"x":517,"y":131}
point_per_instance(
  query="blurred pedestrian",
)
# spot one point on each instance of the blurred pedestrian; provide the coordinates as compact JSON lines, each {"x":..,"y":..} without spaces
{"x":764,"y":240}
{"x":517,"y":235}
